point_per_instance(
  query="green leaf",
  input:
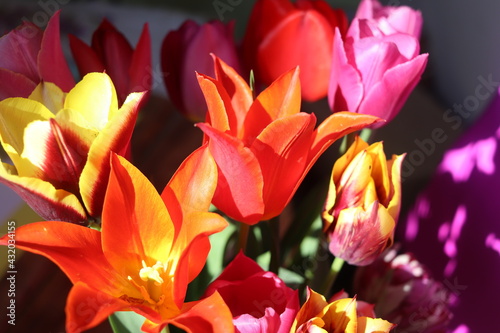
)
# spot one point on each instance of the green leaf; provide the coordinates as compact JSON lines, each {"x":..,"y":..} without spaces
{"x":126,"y":322}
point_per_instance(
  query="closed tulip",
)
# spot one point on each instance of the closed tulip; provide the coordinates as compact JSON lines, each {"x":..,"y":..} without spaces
{"x":373,"y":73}
{"x":391,"y":19}
{"x":186,"y":51}
{"x":282,"y":35}
{"x":363,"y":202}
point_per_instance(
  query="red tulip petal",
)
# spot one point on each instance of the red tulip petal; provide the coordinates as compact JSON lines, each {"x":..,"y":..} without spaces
{"x":19,"y":50}
{"x":304,"y":39}
{"x":14,"y":84}
{"x":85,"y":57}
{"x":136,"y":225}
{"x":281,"y":150}
{"x":51,"y":53}
{"x":240,"y":183}
{"x":115,"y":52}
{"x":141,"y":71}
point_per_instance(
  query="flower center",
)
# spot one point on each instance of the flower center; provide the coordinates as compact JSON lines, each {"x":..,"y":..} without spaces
{"x":151,"y":287}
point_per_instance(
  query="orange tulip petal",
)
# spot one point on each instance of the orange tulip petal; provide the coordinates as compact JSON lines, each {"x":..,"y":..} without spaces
{"x":336,"y":126}
{"x":193,"y":184}
{"x":240,"y":182}
{"x":279,"y":100}
{"x":210,"y":314}
{"x":238,"y":90}
{"x":75,"y":249}
{"x":136,"y":225}
{"x":87,"y":307}
{"x":281,"y":150}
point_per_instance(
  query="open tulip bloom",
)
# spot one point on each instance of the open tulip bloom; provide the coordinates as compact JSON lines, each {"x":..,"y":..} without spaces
{"x":264,"y":147}
{"x":149,"y":248}
{"x":60,"y":145}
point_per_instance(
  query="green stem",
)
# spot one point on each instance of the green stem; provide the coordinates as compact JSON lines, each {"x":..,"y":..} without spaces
{"x":274,"y":265}
{"x":243,"y":237}
{"x":346,"y":142}
{"x":165,"y":330}
{"x":365,"y":134}
{"x":332,"y":275}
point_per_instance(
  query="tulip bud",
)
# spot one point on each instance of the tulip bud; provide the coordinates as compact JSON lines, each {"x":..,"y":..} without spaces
{"x":363,"y":202}
{"x":404,"y":293}
{"x":186,"y":51}
{"x":282,"y":35}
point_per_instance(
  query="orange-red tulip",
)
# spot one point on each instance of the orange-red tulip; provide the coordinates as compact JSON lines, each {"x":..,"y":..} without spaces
{"x":264,"y":148}
{"x":149,"y":249}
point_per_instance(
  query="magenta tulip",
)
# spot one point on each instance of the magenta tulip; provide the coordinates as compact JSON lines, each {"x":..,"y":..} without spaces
{"x":391,"y":19}
{"x":373,"y":73}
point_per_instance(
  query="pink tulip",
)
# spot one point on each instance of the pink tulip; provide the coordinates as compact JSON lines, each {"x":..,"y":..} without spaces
{"x":373,"y":73}
{"x":259,"y":301}
{"x":391,"y":19}
{"x":186,"y":51}
{"x":29,"y":55}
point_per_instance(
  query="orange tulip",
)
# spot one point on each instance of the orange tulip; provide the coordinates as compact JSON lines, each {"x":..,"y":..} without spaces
{"x":363,"y":202}
{"x":264,"y":148}
{"x":150,"y":248}
{"x":317,"y":315}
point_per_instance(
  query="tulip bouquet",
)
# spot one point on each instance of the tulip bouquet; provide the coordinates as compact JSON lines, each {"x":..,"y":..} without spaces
{"x":227,"y":245}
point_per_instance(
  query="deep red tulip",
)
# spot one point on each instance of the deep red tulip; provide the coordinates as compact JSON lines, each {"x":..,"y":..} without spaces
{"x":129,"y":69}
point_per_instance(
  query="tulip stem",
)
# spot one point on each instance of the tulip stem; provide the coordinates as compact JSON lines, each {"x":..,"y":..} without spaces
{"x":243,"y":237}
{"x":347,"y":142}
{"x":274,"y":265}
{"x":332,"y":275}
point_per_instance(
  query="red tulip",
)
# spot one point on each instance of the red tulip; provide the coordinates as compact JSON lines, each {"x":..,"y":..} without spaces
{"x":282,"y":35}
{"x":186,"y":51}
{"x":149,"y":249}
{"x":129,"y":69}
{"x":259,"y":301}
{"x":29,"y":55}
{"x":264,"y":148}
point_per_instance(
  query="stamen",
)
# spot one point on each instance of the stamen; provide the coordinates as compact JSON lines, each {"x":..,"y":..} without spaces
{"x":152,"y":273}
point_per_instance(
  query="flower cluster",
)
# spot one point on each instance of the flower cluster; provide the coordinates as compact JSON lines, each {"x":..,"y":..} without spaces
{"x":128,"y":247}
